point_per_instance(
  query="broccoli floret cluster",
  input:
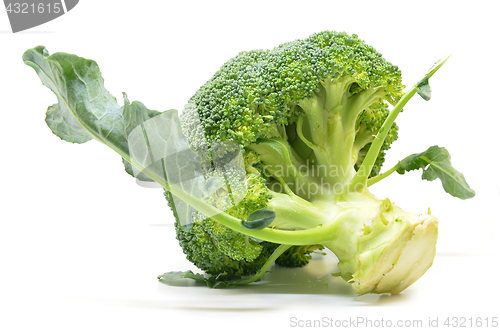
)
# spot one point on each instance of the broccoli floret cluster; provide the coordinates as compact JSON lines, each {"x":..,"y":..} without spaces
{"x":256,"y":92}
{"x":297,"y":256}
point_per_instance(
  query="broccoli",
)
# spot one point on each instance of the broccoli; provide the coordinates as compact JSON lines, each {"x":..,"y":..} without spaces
{"x":271,"y":159}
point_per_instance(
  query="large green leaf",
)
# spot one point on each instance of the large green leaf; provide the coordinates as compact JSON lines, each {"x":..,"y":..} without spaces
{"x":85,"y":109}
{"x":152,"y":144}
{"x":436,"y":163}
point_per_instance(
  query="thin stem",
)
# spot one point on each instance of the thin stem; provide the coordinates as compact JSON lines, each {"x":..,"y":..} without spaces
{"x":370,"y":158}
{"x":378,"y":178}
{"x":364,"y":171}
{"x":319,"y":234}
{"x":277,"y":253}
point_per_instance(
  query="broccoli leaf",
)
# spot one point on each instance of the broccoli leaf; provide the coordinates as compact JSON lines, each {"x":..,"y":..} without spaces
{"x":259,"y":219}
{"x":84,"y":105}
{"x":64,"y":125}
{"x":135,"y":113}
{"x":159,"y":148}
{"x":130,"y":170}
{"x":436,"y":163}
{"x":176,"y":275}
{"x":424,"y":89}
{"x":169,"y":278}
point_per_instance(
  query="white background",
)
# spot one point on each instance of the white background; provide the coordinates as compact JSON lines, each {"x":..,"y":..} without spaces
{"x":81,"y":243}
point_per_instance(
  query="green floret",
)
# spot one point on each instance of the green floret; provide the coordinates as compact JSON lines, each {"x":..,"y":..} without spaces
{"x":257,"y":91}
{"x":218,"y":250}
{"x":297,"y":256}
{"x":257,"y":197}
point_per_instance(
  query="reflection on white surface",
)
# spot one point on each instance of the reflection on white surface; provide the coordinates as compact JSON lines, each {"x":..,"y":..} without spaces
{"x":278,"y":289}
{"x":309,"y":289}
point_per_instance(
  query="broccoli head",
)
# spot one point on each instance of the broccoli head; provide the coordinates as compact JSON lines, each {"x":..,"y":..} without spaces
{"x":272,"y":159}
{"x":256,"y":100}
